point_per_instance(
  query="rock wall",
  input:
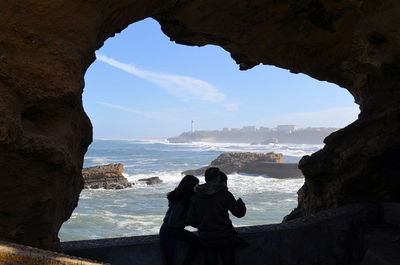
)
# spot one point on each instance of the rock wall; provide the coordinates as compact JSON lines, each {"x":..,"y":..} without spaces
{"x":46,"y":47}
{"x":332,"y":237}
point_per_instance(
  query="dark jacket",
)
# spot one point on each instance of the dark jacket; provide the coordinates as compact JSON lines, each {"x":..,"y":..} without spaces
{"x":176,"y":215}
{"x":209,"y":208}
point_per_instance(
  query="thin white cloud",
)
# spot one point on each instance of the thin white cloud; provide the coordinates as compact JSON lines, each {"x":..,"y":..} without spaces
{"x":233,"y":107}
{"x":162,"y":116}
{"x":333,"y":117}
{"x":184,"y":87}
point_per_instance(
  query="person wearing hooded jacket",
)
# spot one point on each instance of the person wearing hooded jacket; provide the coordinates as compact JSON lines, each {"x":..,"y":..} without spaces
{"x":208,"y":212}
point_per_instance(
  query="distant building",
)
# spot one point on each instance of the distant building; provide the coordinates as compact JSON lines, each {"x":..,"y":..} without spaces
{"x":235,"y":130}
{"x":249,"y":128}
{"x":192,"y":128}
{"x":286,"y":128}
{"x":225,"y":129}
{"x":264,"y":129}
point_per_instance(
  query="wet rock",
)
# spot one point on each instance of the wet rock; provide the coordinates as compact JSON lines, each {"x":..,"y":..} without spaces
{"x":105,"y":176}
{"x":151,"y":181}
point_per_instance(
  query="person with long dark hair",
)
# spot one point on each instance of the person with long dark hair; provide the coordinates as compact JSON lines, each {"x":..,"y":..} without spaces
{"x":173,"y":227}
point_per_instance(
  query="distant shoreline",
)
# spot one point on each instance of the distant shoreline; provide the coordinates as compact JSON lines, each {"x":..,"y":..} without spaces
{"x":257,"y":136}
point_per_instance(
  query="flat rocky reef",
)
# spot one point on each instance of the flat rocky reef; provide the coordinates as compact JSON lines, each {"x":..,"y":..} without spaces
{"x":269,"y":164}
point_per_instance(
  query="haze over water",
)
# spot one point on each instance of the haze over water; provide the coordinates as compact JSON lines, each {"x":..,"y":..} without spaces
{"x":139,"y":210}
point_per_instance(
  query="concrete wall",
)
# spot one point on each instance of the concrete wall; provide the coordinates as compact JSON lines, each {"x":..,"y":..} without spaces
{"x":334,"y":236}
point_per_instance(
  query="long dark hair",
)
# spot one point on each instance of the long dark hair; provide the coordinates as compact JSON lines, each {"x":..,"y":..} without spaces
{"x":184,"y":191}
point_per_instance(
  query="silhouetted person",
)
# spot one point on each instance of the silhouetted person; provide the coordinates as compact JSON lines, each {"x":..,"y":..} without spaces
{"x":174,"y":222}
{"x":238,"y":240}
{"x":209,"y":213}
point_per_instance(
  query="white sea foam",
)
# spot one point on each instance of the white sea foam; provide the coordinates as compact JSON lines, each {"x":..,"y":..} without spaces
{"x":288,"y":149}
{"x":139,"y":210}
{"x":245,"y":184}
{"x":165,"y":176}
{"x":240,"y":183}
{"x":98,"y":160}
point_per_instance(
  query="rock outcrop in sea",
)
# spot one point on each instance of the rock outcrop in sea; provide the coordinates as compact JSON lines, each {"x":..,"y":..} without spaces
{"x":269,"y":164}
{"x":105,"y":176}
{"x":151,"y":181}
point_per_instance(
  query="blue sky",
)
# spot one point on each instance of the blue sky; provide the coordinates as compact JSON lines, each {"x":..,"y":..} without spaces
{"x":142,"y":85}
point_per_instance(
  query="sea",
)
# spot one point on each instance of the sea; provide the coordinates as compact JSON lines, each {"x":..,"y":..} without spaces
{"x":139,"y":210}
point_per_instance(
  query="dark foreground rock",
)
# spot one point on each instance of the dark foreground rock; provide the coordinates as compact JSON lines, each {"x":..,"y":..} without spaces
{"x":252,"y":163}
{"x":105,"y":176}
{"x":273,"y":170}
{"x":151,"y":181}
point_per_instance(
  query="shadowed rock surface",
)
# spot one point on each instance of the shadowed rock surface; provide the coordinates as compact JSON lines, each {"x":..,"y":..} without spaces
{"x":105,"y":176}
{"x":47,"y":46}
{"x":252,"y":163}
{"x":151,"y":181}
{"x":341,"y":236}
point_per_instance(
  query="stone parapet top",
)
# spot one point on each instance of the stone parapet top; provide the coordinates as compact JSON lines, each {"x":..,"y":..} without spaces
{"x":11,"y":254}
{"x":109,"y":242}
{"x":293,"y":224}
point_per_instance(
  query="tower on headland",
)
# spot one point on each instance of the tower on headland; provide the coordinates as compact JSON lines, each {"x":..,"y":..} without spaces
{"x":192,"y":128}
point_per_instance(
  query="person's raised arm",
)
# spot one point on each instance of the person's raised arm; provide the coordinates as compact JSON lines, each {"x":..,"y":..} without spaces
{"x":236,"y":207}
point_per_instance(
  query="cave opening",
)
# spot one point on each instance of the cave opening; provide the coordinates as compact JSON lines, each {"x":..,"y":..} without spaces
{"x":46,"y":49}
{"x":144,"y":88}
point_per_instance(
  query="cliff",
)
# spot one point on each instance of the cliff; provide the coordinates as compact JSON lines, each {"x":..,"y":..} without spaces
{"x":252,"y":163}
{"x":105,"y":176}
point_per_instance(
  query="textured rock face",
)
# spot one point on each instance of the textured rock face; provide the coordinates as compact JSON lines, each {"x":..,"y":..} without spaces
{"x":105,"y":176}
{"x":247,"y":162}
{"x":46,"y":47}
{"x":238,"y":159}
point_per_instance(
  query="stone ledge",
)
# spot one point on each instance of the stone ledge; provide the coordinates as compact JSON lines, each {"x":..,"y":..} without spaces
{"x":11,"y":254}
{"x":108,"y":242}
{"x":382,"y":255}
{"x":330,"y":237}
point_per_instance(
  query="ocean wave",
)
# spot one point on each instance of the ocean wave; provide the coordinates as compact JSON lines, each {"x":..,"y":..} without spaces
{"x":140,"y":209}
{"x":97,"y":160}
{"x":165,"y":176}
{"x":289,"y":149}
{"x":242,"y":183}
{"x":246,"y":184}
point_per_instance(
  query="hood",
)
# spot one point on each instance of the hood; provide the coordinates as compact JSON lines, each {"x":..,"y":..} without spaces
{"x":209,"y":188}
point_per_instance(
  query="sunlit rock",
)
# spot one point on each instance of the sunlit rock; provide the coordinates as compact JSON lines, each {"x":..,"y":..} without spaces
{"x":105,"y":176}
